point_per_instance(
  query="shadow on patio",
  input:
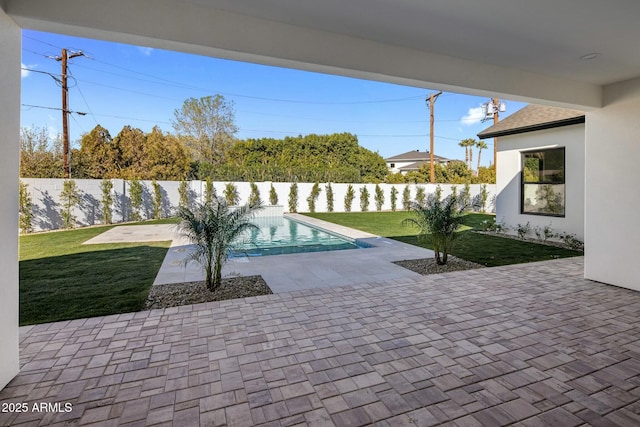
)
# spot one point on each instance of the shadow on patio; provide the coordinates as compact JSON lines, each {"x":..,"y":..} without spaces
{"x":532,"y":343}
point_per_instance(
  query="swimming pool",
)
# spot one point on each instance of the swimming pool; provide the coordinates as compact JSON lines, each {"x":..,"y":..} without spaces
{"x":280,"y":235}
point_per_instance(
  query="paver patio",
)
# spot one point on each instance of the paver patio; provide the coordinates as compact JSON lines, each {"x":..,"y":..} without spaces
{"x":531,"y":345}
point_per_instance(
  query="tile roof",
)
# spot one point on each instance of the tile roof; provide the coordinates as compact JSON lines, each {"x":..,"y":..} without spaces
{"x":414,"y":155}
{"x":531,"y":118}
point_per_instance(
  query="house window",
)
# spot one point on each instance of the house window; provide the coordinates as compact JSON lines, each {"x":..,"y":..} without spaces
{"x":543,"y":186}
{"x":392,"y":165}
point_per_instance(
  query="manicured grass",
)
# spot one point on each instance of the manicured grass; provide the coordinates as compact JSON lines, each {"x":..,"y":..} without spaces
{"x":480,"y":248}
{"x":62,"y":279}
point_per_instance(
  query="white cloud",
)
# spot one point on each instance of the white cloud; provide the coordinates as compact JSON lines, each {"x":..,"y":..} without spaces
{"x":146,"y":51}
{"x":474,"y":116}
{"x":24,"y":73}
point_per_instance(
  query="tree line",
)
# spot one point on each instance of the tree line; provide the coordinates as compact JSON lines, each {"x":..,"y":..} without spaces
{"x":204,"y":146}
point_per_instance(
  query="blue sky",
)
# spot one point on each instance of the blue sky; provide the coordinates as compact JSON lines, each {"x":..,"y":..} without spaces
{"x":118,"y":84}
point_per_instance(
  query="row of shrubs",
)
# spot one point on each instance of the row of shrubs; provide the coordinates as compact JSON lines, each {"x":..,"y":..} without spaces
{"x":544,"y":234}
{"x":232,"y":197}
{"x":70,"y":198}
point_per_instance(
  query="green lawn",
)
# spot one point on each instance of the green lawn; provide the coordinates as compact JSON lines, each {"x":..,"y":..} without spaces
{"x":62,"y":279}
{"x":483,"y":249}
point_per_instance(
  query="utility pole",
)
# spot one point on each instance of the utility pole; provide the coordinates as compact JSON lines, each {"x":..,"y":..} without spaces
{"x":65,"y":108}
{"x":496,"y":104}
{"x":431,"y":101}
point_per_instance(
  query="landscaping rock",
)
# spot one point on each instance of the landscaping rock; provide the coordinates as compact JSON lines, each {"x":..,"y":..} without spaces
{"x":173,"y":295}
{"x":429,"y":266}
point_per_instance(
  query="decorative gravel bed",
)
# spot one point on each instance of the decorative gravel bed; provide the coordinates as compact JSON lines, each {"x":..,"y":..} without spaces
{"x":173,"y":295}
{"x":429,"y":266}
{"x":177,"y":294}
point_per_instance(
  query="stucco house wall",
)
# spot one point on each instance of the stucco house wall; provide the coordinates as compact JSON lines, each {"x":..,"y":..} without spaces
{"x":509,"y":178}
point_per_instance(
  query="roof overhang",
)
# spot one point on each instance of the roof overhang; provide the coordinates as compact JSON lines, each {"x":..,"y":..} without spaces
{"x":533,"y":128}
{"x":441,"y":45}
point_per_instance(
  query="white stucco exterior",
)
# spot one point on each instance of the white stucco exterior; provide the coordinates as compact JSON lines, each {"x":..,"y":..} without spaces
{"x":612,"y":190}
{"x":9,"y":135}
{"x":509,"y":180}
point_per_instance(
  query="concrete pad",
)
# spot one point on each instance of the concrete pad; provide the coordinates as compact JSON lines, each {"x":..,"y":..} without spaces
{"x":135,"y":234}
{"x":284,"y":273}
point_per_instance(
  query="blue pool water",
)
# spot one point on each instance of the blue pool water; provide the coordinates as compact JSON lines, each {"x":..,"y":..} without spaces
{"x":279,"y":235}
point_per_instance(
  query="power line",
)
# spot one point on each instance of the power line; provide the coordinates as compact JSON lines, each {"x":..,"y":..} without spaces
{"x":187,"y":86}
{"x":80,"y":113}
{"x":85,"y":99}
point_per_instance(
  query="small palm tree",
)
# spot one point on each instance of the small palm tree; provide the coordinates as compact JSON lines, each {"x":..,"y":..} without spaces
{"x":215,"y":228}
{"x":480,"y":145}
{"x":468,"y":145}
{"x":438,"y":222}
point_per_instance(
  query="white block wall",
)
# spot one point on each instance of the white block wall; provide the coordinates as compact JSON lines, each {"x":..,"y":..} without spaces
{"x":45,"y":194}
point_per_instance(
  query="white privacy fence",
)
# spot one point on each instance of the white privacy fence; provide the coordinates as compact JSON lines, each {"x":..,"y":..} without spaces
{"x":47,"y":206}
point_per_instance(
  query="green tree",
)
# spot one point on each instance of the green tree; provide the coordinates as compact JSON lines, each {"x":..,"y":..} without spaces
{"x":157,"y":200}
{"x":209,"y":190}
{"x":25,"y":209}
{"x":207,"y":127}
{"x":438,"y":223}
{"x":254,"y":197}
{"x":395,"y":178}
{"x":183,"y":195}
{"x":394,"y":198}
{"x":484,"y":196}
{"x":379,"y":197}
{"x":465,"y":196}
{"x":406,"y":198}
{"x":364,"y":199}
{"x":480,"y":145}
{"x":164,"y":157}
{"x":487,"y":175}
{"x":293,"y":198}
{"x":273,"y":196}
{"x":231,"y":195}
{"x":129,"y":148}
{"x":98,"y":159}
{"x":348,"y":198}
{"x":438,"y":193}
{"x":329,"y":192}
{"x":465,"y":144}
{"x":311,"y":158}
{"x":468,"y":145}
{"x":70,"y":198}
{"x":215,"y":229}
{"x":313,"y":197}
{"x":421,"y":195}
{"x":136,"y":190}
{"x":39,"y":156}
{"x":106,"y":185}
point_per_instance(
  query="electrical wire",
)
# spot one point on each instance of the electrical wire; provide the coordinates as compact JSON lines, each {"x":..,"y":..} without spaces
{"x":85,"y":99}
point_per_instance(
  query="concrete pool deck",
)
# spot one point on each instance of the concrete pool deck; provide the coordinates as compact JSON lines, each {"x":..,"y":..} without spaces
{"x":285,"y":273}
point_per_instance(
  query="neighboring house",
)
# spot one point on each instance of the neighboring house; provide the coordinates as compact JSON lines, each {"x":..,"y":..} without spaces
{"x":411,"y":161}
{"x":541,"y":174}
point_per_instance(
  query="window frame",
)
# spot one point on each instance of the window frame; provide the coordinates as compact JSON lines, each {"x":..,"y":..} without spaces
{"x":523,"y":182}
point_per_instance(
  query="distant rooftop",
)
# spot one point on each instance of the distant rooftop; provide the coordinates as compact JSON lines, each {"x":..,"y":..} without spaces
{"x":415,"y":156}
{"x":531,"y":118}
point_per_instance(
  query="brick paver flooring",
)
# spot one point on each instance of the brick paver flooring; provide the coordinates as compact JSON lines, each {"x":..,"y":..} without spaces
{"x":530,"y":345}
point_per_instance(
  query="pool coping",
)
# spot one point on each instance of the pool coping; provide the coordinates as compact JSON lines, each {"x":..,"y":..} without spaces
{"x":373,"y":261}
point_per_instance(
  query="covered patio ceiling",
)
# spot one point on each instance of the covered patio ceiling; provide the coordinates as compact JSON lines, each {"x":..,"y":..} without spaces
{"x":523,"y":50}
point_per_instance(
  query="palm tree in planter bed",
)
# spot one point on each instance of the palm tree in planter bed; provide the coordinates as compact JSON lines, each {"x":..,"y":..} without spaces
{"x":438,"y":222}
{"x":215,"y":228}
